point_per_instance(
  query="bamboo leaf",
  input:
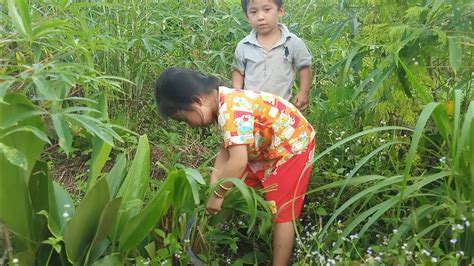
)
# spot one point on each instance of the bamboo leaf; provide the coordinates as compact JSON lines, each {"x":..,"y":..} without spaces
{"x":63,"y":132}
{"x":20,"y":16}
{"x":455,"y":53}
{"x":422,"y":92}
{"x":94,"y":126}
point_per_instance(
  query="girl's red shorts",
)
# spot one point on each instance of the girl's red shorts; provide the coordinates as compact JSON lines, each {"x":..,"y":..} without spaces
{"x":286,"y":185}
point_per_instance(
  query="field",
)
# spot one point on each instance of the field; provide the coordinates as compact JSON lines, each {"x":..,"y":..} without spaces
{"x":91,"y":174}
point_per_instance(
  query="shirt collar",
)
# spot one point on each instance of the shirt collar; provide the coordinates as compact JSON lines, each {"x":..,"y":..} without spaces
{"x":252,"y":37}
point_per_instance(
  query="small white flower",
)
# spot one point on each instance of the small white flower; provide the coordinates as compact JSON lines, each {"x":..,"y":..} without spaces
{"x":453,"y":241}
{"x":426,"y":252}
{"x":335,"y":159}
{"x":378,"y":258}
{"x":66,"y":214}
{"x":354,"y":236}
{"x":459,"y":253}
{"x":67,"y":206}
{"x":394,"y":231}
{"x":416,"y":63}
{"x":16,"y":260}
{"x":434,"y":259}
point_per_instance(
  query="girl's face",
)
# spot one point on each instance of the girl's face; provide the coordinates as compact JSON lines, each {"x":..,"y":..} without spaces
{"x":202,"y":112}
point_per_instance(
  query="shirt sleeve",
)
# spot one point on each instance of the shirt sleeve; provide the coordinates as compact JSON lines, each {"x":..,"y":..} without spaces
{"x":236,"y":125}
{"x":239,"y":62}
{"x":302,"y":57}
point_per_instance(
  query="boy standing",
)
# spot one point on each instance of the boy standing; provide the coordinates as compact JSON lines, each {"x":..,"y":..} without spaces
{"x":269,"y":57}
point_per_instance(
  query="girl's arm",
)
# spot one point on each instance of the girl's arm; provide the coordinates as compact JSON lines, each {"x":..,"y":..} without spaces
{"x":301,"y":98}
{"x":221,"y":161}
{"x":237,"y":80}
{"x":235,"y":167}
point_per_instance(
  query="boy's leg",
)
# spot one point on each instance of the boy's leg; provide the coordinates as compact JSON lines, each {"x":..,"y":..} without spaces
{"x":283,"y":236}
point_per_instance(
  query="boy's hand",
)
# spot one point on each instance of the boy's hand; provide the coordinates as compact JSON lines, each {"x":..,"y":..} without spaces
{"x":301,"y":100}
{"x":214,"y":204}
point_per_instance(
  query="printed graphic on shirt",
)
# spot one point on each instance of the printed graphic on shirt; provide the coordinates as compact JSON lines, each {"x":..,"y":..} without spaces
{"x":273,"y":129}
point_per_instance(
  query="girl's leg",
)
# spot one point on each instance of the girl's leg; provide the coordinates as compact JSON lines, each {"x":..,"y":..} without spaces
{"x":283,"y":236}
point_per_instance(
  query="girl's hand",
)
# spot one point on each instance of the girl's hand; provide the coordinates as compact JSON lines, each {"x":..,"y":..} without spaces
{"x":214,"y":204}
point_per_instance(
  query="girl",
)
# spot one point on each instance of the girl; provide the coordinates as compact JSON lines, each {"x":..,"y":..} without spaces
{"x":264,"y":137}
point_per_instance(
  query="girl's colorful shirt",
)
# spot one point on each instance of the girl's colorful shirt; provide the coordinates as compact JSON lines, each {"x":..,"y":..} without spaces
{"x":272,"y":128}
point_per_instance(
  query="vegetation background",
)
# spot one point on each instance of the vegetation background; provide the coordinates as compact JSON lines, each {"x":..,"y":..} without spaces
{"x":90,"y":174}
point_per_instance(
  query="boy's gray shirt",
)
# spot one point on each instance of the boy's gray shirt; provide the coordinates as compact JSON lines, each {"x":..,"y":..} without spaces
{"x":271,"y":71}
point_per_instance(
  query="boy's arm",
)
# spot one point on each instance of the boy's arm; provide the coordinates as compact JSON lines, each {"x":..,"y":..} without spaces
{"x":301,"y":99}
{"x":235,"y":167}
{"x":237,"y":80}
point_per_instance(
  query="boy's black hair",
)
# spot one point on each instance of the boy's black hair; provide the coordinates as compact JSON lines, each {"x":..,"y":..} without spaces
{"x":245,"y":3}
{"x":177,"y":88}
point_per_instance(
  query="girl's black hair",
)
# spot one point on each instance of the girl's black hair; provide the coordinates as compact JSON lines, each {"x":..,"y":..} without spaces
{"x":177,"y":88}
{"x":245,"y":3}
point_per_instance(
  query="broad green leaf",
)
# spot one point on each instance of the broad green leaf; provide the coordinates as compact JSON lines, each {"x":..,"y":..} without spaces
{"x":4,"y":86}
{"x":14,"y":156}
{"x":134,"y":186}
{"x":109,"y":260}
{"x":143,"y":223}
{"x":63,"y":131}
{"x":18,"y":217}
{"x":14,"y":119}
{"x":455,"y":53}
{"x":61,"y":209}
{"x":40,"y":187}
{"x":117,"y":174}
{"x":84,"y":224}
{"x":106,"y":223}
{"x":38,"y":133}
{"x":100,"y":155}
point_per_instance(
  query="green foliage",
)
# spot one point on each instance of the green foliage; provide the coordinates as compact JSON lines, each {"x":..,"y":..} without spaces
{"x":79,"y":76}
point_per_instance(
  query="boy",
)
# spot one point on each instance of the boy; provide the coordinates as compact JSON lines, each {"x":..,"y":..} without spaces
{"x":268,"y":58}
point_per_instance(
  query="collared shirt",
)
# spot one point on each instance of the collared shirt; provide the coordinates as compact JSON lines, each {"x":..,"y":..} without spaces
{"x":271,"y":70}
{"x":273,"y":129}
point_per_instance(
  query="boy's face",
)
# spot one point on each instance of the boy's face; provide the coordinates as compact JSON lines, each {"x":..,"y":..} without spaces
{"x":263,"y":15}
